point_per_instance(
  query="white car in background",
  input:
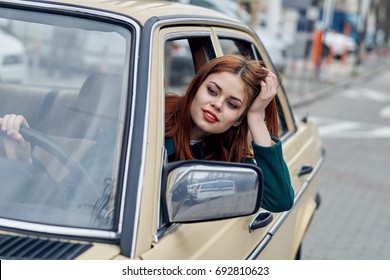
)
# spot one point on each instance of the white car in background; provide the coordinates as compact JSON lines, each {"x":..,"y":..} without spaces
{"x":13,"y":59}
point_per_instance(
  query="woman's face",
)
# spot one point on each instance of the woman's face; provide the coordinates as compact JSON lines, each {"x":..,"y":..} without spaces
{"x":218,"y":104}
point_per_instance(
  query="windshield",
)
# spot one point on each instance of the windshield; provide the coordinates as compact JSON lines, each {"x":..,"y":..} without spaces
{"x":65,"y":76}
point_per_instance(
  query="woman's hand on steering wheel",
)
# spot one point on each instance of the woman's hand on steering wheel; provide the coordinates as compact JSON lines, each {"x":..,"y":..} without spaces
{"x":16,"y":147}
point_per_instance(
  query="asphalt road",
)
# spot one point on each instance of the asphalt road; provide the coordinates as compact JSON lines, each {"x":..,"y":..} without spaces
{"x":353,"y":221}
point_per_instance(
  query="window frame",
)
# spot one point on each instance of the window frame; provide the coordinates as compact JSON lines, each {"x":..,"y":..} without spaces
{"x":129,"y":73}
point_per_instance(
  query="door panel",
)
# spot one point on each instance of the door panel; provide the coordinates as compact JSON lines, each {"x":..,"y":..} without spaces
{"x":231,"y":238}
{"x":228,"y":239}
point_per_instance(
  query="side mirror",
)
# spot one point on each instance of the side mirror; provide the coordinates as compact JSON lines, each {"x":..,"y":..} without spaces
{"x":198,"y":191}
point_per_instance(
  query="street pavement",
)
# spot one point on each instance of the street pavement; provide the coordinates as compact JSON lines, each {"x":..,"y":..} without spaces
{"x":304,"y":84}
{"x":351,"y":222}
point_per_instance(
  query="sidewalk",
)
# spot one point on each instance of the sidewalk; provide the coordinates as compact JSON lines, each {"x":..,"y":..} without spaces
{"x":303,"y":85}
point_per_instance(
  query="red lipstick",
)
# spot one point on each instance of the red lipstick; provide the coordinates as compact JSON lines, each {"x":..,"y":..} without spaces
{"x":209,"y":116}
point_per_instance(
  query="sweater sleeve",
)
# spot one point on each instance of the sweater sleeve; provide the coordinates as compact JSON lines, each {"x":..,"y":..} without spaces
{"x":278,"y":194}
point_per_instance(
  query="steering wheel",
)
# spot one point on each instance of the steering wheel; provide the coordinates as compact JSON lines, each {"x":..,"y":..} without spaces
{"x":39,"y":139}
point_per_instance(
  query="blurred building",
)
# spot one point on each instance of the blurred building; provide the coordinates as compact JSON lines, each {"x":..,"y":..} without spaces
{"x":363,"y":25}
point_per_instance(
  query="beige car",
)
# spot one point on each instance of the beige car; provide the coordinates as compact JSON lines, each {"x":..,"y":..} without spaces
{"x":100,"y":186}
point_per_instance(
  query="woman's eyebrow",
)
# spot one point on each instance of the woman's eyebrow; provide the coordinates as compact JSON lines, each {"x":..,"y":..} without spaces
{"x":231,"y":96}
{"x":215,"y":84}
{"x":236,"y":98}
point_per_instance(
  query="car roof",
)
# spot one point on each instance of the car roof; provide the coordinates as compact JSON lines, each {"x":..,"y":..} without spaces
{"x":142,"y":10}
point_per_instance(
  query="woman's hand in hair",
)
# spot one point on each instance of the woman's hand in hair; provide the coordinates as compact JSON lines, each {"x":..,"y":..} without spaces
{"x":16,"y":147}
{"x":267,"y":93}
{"x":256,"y":113}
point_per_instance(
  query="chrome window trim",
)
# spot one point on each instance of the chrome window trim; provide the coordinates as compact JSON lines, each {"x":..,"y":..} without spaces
{"x":222,"y":34}
{"x":287,"y":135}
{"x":144,"y":144}
{"x":185,"y":35}
{"x":58,"y":230}
{"x":92,"y":233}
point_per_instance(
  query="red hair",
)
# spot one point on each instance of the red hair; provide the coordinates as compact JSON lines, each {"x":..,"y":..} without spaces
{"x":232,"y":145}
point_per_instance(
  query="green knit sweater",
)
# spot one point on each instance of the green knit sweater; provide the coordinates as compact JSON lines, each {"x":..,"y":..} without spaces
{"x":278,"y":194}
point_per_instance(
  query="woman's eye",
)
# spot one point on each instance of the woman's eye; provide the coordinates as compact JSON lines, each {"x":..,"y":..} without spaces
{"x":211,"y":91}
{"x":232,"y":105}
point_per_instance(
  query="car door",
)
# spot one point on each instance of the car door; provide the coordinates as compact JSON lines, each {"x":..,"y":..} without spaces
{"x":188,"y":48}
{"x":225,"y":239}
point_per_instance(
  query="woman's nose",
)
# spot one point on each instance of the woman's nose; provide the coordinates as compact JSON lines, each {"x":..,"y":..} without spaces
{"x":216,"y":105}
